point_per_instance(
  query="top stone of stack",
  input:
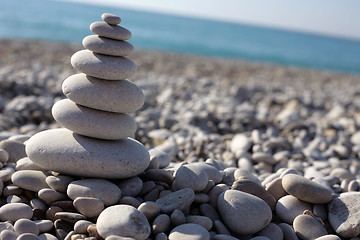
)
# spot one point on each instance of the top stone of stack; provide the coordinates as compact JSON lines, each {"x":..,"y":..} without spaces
{"x":111,"y":19}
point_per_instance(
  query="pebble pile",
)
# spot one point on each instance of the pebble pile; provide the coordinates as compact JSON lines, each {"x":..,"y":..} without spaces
{"x":224,"y":168}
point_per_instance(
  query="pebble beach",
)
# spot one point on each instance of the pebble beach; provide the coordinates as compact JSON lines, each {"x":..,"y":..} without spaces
{"x":238,"y":150}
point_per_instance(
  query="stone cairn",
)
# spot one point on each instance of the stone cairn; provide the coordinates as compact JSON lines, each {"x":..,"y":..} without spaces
{"x":96,"y":141}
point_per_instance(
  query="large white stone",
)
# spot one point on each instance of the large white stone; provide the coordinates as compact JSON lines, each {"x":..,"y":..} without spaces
{"x":65,"y":152}
{"x":93,"y":123}
{"x":103,"y":66}
{"x":107,"y":46}
{"x":110,"y":31}
{"x":114,"y":96}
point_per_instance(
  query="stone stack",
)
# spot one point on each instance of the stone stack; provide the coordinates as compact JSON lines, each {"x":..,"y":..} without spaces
{"x":96,"y":138}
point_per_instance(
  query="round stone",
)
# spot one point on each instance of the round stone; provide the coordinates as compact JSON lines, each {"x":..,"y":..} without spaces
{"x":15,"y":211}
{"x":306,"y":190}
{"x":123,"y":220}
{"x":50,"y":195}
{"x":189,"y":231}
{"x":93,"y":123}
{"x":30,"y":180}
{"x":102,"y":189}
{"x":191,"y":176}
{"x":110,"y":31}
{"x":26,"y":164}
{"x":103,"y":66}
{"x":110,"y":18}
{"x":308,"y":227}
{"x":73,"y":154}
{"x":131,"y":186}
{"x":113,"y":96}
{"x":14,"y":149}
{"x":243,"y":213}
{"x":344,"y":214}
{"x":47,"y":236}
{"x":59,"y":182}
{"x":107,"y":46}
{"x":289,"y":207}
{"x":88,"y":206}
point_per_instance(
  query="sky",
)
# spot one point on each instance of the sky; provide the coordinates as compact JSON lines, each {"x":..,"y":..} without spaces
{"x":326,"y":17}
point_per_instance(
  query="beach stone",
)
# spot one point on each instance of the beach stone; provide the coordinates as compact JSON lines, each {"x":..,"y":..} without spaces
{"x":190,"y":176}
{"x":242,"y":173}
{"x":160,"y":175}
{"x":289,"y":207}
{"x":102,"y":189}
{"x":44,"y":225}
{"x":123,"y":220}
{"x":88,"y":206}
{"x":62,"y":228}
{"x":259,"y":157}
{"x":93,"y":123}
{"x":224,"y":237}
{"x":212,"y":172}
{"x":6,"y":226}
{"x":27,"y":236}
{"x":215,"y":192}
{"x":120,"y":96}
{"x":107,"y":46}
{"x":272,"y":231}
{"x":306,"y":190}
{"x":70,"y":217}
{"x":355,"y":138}
{"x":30,"y":180}
{"x":8,"y":235}
{"x":177,"y":217}
{"x":15,"y":149}
{"x":111,"y":19}
{"x":288,"y":231}
{"x":307,"y":227}
{"x":276,"y":189}
{"x":253,"y":188}
{"x":26,"y":226}
{"x":6,"y":173}
{"x":162,"y":157}
{"x":189,"y":231}
{"x":59,"y":182}
{"x":110,"y":31}
{"x":209,"y":211}
{"x":201,"y":220}
{"x":15,"y":211}
{"x":342,"y":173}
{"x":221,"y":228}
{"x":329,"y":237}
{"x":240,"y":143}
{"x":243,"y":213}
{"x":161,"y":224}
{"x":47,"y":236}
{"x":149,"y":209}
{"x":103,"y":66}
{"x":344,"y":214}
{"x":81,"y":226}
{"x":50,"y":195}
{"x":181,"y":200}
{"x":26,"y":164}
{"x":4,"y":156}
{"x":88,"y":157}
{"x":131,"y":186}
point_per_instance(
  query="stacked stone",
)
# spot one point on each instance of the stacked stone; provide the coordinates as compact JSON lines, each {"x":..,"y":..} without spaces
{"x":96,"y":138}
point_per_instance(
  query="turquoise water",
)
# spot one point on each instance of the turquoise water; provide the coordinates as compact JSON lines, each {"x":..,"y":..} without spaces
{"x":69,"y":22}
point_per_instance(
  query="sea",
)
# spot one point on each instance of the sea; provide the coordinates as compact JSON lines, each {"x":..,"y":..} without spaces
{"x":69,"y":22}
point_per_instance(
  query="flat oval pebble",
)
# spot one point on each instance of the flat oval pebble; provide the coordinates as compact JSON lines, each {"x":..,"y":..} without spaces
{"x":308,"y":228}
{"x":110,"y":31}
{"x":73,"y":154}
{"x":103,"y":66}
{"x":162,"y":157}
{"x":123,"y":220}
{"x":149,"y":209}
{"x":328,"y":237}
{"x":272,"y":231}
{"x":70,"y":217}
{"x":288,"y":231}
{"x":8,"y":235}
{"x":47,"y":236}
{"x":107,"y":46}
{"x":15,"y":211}
{"x":50,"y":195}
{"x":26,"y":164}
{"x":15,"y":149}
{"x":89,"y":206}
{"x":181,"y":200}
{"x":161,"y":224}
{"x":110,"y":18}
{"x":30,"y":180}
{"x":27,"y":236}
{"x":306,"y":190}
{"x":59,"y":182}
{"x":44,"y":225}
{"x":131,"y":186}
{"x":201,"y":220}
{"x":243,"y":213}
{"x":191,"y":176}
{"x":26,"y":226}
{"x":289,"y":207}
{"x":113,"y":96}
{"x":189,"y":231}
{"x":344,"y":214}
{"x":93,"y":123}
{"x":102,"y":189}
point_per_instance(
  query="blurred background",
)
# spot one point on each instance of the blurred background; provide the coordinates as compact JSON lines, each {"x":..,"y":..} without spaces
{"x":324,"y":34}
